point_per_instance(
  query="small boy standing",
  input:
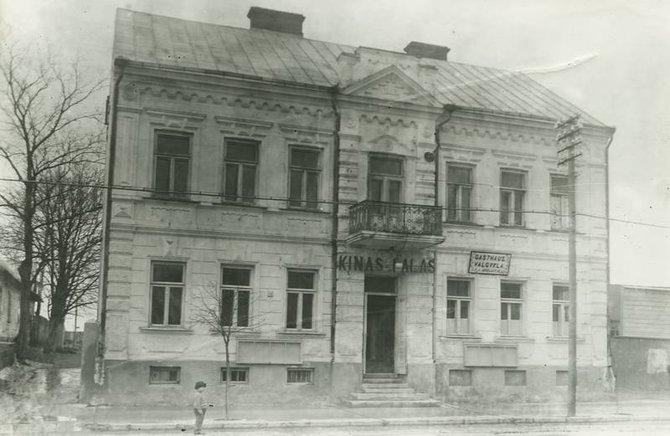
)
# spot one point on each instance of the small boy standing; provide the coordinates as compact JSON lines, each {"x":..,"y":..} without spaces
{"x":199,"y":406}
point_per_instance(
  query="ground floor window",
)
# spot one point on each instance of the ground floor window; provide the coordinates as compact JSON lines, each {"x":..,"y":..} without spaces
{"x":301,"y":293}
{"x":460,"y":377}
{"x":237,"y":375}
{"x":167,"y":293}
{"x":300,"y":375}
{"x":164,"y":375}
{"x":515,"y":377}
{"x":459,"y":301}
{"x":511,"y":304}
{"x":561,"y":310}
{"x":561,"y":378}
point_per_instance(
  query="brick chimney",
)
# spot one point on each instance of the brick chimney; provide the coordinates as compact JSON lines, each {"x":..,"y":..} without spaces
{"x":423,"y":50}
{"x":278,"y":21}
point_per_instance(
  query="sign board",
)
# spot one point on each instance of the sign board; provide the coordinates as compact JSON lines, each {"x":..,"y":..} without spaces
{"x":482,"y":262}
{"x":349,"y":263}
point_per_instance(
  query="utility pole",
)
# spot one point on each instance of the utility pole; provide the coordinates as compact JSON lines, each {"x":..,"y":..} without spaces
{"x":569,"y":140}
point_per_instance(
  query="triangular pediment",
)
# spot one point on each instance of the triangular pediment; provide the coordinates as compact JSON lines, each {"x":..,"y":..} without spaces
{"x":391,"y":83}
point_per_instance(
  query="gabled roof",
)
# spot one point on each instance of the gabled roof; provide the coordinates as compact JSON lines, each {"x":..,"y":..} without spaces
{"x":144,"y":37}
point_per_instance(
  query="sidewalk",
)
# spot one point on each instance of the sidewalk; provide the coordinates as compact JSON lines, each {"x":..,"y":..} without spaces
{"x":115,"y":418}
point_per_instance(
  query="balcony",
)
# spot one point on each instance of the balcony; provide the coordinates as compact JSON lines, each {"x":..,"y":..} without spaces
{"x":380,"y":225}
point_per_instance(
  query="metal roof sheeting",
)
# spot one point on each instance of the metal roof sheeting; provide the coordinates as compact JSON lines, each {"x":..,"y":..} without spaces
{"x":169,"y":41}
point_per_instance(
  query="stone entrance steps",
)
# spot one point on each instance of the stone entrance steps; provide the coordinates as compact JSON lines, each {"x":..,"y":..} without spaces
{"x":388,"y":390}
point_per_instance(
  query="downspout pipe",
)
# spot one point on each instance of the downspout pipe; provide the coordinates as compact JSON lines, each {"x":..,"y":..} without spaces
{"x":607,"y":201}
{"x":334,"y":92}
{"x":610,"y":361}
{"x":440,"y":122}
{"x":120,"y":64}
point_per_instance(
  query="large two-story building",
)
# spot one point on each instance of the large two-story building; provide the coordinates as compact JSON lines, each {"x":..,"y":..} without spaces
{"x":362,"y":212}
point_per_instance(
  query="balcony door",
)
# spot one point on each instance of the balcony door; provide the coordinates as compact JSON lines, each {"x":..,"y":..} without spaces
{"x":385,"y":178}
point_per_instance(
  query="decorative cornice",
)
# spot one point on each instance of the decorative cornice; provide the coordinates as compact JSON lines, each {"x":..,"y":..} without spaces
{"x":175,"y":115}
{"x":199,"y":96}
{"x":306,"y":135}
{"x":513,"y":155}
{"x":382,"y":120}
{"x":244,"y":126}
{"x":496,"y":134}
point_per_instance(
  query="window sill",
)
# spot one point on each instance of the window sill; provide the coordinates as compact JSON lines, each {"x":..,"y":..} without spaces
{"x":457,"y":336}
{"x":301,"y":333}
{"x":462,"y":223}
{"x":238,"y":331}
{"x":503,"y":226}
{"x":302,"y":209}
{"x":170,"y":198}
{"x":561,"y":339}
{"x":239,"y":204}
{"x":514,"y":339}
{"x":158,"y":329}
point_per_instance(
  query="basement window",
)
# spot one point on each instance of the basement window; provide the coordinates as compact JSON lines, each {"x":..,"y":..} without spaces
{"x":237,"y":375}
{"x":300,"y":375}
{"x":164,"y":375}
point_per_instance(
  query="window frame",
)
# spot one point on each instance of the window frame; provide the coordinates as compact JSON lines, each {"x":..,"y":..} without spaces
{"x":560,"y":328}
{"x":304,"y":202}
{"x":236,"y":289}
{"x":460,"y":209}
{"x":505,"y":325}
{"x":240,"y":198}
{"x":239,"y":369}
{"x":303,"y":370}
{"x":457,"y":331}
{"x":299,"y":321}
{"x":171,"y":193}
{"x":166,"y":296}
{"x":560,"y":219}
{"x":153,"y":368}
{"x":513,"y":193}
{"x":386,"y":179}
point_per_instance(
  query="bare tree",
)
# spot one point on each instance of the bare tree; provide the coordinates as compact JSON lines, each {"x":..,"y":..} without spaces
{"x":69,"y":223}
{"x":47,"y":125}
{"x":226,"y":311}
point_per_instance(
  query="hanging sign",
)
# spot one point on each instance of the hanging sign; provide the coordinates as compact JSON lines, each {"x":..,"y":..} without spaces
{"x":482,"y":262}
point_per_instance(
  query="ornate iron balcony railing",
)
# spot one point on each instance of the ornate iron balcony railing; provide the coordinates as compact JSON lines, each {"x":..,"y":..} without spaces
{"x":409,"y":219}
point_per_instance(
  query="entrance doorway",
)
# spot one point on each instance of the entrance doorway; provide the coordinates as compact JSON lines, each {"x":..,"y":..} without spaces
{"x":380,"y":302}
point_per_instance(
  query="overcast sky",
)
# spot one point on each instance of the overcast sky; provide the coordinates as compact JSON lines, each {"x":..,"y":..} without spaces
{"x":609,"y":57}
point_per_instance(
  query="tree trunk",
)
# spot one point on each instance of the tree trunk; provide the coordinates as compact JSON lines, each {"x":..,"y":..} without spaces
{"x":25,"y":271}
{"x":227,"y":378}
{"x":55,"y":336}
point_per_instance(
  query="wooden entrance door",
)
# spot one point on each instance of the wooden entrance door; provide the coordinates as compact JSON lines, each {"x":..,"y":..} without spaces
{"x":380,"y":325}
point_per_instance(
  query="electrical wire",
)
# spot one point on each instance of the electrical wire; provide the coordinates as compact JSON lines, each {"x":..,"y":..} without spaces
{"x":157,"y":195}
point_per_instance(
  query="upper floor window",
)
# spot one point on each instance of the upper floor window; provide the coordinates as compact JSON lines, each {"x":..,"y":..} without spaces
{"x":172,"y":155}
{"x":459,"y":191}
{"x":559,"y":203}
{"x":385,"y":178}
{"x":511,"y":305}
{"x":301,"y":293}
{"x":560,"y":310}
{"x":167,"y":292}
{"x":235,"y":296}
{"x":240,"y":165}
{"x":304,"y":178}
{"x":459,"y":302}
{"x":512,"y":193}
